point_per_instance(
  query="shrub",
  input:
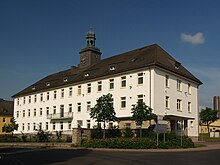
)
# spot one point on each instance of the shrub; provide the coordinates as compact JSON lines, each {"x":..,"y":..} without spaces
{"x":127,"y":132}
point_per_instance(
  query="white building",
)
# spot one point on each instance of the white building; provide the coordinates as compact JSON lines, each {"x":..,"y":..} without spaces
{"x":62,"y":100}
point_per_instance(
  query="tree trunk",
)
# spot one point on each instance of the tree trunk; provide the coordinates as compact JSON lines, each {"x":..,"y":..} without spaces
{"x":141,"y":132}
{"x":104,"y":131}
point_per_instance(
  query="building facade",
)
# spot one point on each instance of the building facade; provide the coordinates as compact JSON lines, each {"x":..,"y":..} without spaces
{"x":6,"y":113}
{"x":62,"y":101}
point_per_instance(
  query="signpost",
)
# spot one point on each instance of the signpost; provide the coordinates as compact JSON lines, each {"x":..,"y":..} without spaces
{"x":161,"y":127}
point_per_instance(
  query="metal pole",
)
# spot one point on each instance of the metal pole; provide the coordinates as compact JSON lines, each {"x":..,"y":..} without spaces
{"x":157,"y":140}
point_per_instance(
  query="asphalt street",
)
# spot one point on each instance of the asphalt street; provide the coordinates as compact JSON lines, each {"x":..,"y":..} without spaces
{"x":32,"y":156}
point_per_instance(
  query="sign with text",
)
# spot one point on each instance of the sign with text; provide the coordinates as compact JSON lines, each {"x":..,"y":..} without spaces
{"x":160,"y":128}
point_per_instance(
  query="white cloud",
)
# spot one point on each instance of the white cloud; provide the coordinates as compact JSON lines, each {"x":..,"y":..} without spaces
{"x":196,"y":39}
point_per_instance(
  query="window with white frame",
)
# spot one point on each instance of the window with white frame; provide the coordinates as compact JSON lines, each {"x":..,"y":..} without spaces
{"x":34,"y":126}
{"x":54,"y":94}
{"x":167,"y":81}
{"x":141,"y":98}
{"x":89,"y":88}
{"x":22,"y":126}
{"x":79,"y":107}
{"x":48,"y":95}
{"x":29,"y":112}
{"x":54,"y":109}
{"x":70,"y":107}
{"x":111,"y":84}
{"x":24,"y":100}
{"x":62,"y":93}
{"x":189,"y":89}
{"x":123,"y":81}
{"x":47,"y":111}
{"x":99,"y":86}
{"x":80,"y":123}
{"x":17,"y":114}
{"x":61,"y":125}
{"x":18,"y":101}
{"x":88,"y":123}
{"x":70,"y":91}
{"x":140,"y":78}
{"x":23,"y":113}
{"x":189,"y":107}
{"x":54,"y":125}
{"x":41,"y":97}
{"x":69,"y":124}
{"x":179,"y":105}
{"x":46,"y":125}
{"x":167,"y":104}
{"x":123,"y":102}
{"x":79,"y":90}
{"x":35,"y":112}
{"x":41,"y":111}
{"x":35,"y":98}
{"x":179,"y":85}
{"x":28,"y":126}
{"x":29,"y":98}
{"x":88,"y":105}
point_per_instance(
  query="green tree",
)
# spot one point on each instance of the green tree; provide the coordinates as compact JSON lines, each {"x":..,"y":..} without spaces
{"x":10,"y":127}
{"x":141,"y":112}
{"x":208,"y":116}
{"x":104,"y":111}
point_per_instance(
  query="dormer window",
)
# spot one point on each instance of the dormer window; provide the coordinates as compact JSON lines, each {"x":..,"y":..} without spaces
{"x":112,"y":67}
{"x":65,"y":79}
{"x":47,"y":84}
{"x":86,"y":74}
{"x":33,"y":88}
{"x":177,"y":65}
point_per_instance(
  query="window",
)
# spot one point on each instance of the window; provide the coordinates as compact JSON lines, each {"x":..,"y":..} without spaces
{"x":189,"y":89}
{"x":69,"y":124}
{"x":24,"y":100}
{"x":70,"y":91}
{"x":61,"y":125}
{"x":61,"y":110}
{"x":167,"y":81}
{"x":86,"y":74}
{"x":112,"y":67}
{"x":99,"y":86}
{"x":179,"y":105}
{"x":167,"y":102}
{"x":62,"y":93}
{"x":79,"y":90}
{"x":29,"y":99}
{"x":48,"y":95}
{"x":41,"y":111}
{"x":80,"y":123}
{"x":123,"y":81}
{"x":35,"y":98}
{"x":3,"y":119}
{"x":54,"y":109}
{"x":140,"y":78}
{"x":54,"y":94}
{"x":40,"y":125}
{"x":54,"y":125}
{"x":28,"y":126}
{"x":34,"y":126}
{"x":22,"y":126}
{"x":17,"y":114}
{"x":47,"y":110}
{"x":179,"y":85}
{"x":18,"y":101}
{"x":189,"y":107}
{"x":88,"y":106}
{"x":65,"y":79}
{"x":23,"y":113}
{"x":70,"y":108}
{"x":127,"y":125}
{"x":123,"y":102}
{"x":41,"y":97}
{"x":35,"y":112}
{"x":47,"y":126}
{"x":47,"y":84}
{"x":111,"y":84}
{"x":88,"y":88}
{"x":29,"y":112}
{"x":140,"y":98}
{"x":79,"y":107}
{"x":88,"y":123}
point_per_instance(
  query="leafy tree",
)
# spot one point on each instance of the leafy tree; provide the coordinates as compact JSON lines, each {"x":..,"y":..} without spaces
{"x":141,"y":112}
{"x":104,"y":111}
{"x":10,"y":127}
{"x":208,"y":116}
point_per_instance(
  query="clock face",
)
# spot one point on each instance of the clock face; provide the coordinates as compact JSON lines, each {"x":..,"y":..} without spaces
{"x":83,"y":60}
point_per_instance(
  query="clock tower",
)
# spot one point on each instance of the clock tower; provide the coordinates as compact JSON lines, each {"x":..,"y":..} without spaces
{"x":90,"y":54}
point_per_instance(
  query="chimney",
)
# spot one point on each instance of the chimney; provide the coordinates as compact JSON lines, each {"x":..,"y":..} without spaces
{"x":214,"y":103}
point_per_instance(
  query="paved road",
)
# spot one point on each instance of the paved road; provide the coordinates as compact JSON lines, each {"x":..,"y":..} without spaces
{"x":33,"y":156}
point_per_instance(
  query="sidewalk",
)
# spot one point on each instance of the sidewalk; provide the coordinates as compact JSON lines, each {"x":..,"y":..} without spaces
{"x":208,"y":146}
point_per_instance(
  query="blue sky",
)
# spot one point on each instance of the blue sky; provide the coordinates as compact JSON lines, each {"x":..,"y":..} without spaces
{"x":41,"y":37}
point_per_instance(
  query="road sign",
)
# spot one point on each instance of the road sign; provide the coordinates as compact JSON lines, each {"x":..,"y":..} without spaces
{"x":160,"y":128}
{"x":162,"y":122}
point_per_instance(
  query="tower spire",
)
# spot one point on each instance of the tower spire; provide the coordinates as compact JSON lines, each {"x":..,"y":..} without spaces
{"x":90,"y":37}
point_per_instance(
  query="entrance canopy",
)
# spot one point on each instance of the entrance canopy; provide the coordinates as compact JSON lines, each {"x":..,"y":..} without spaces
{"x":174,"y":117}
